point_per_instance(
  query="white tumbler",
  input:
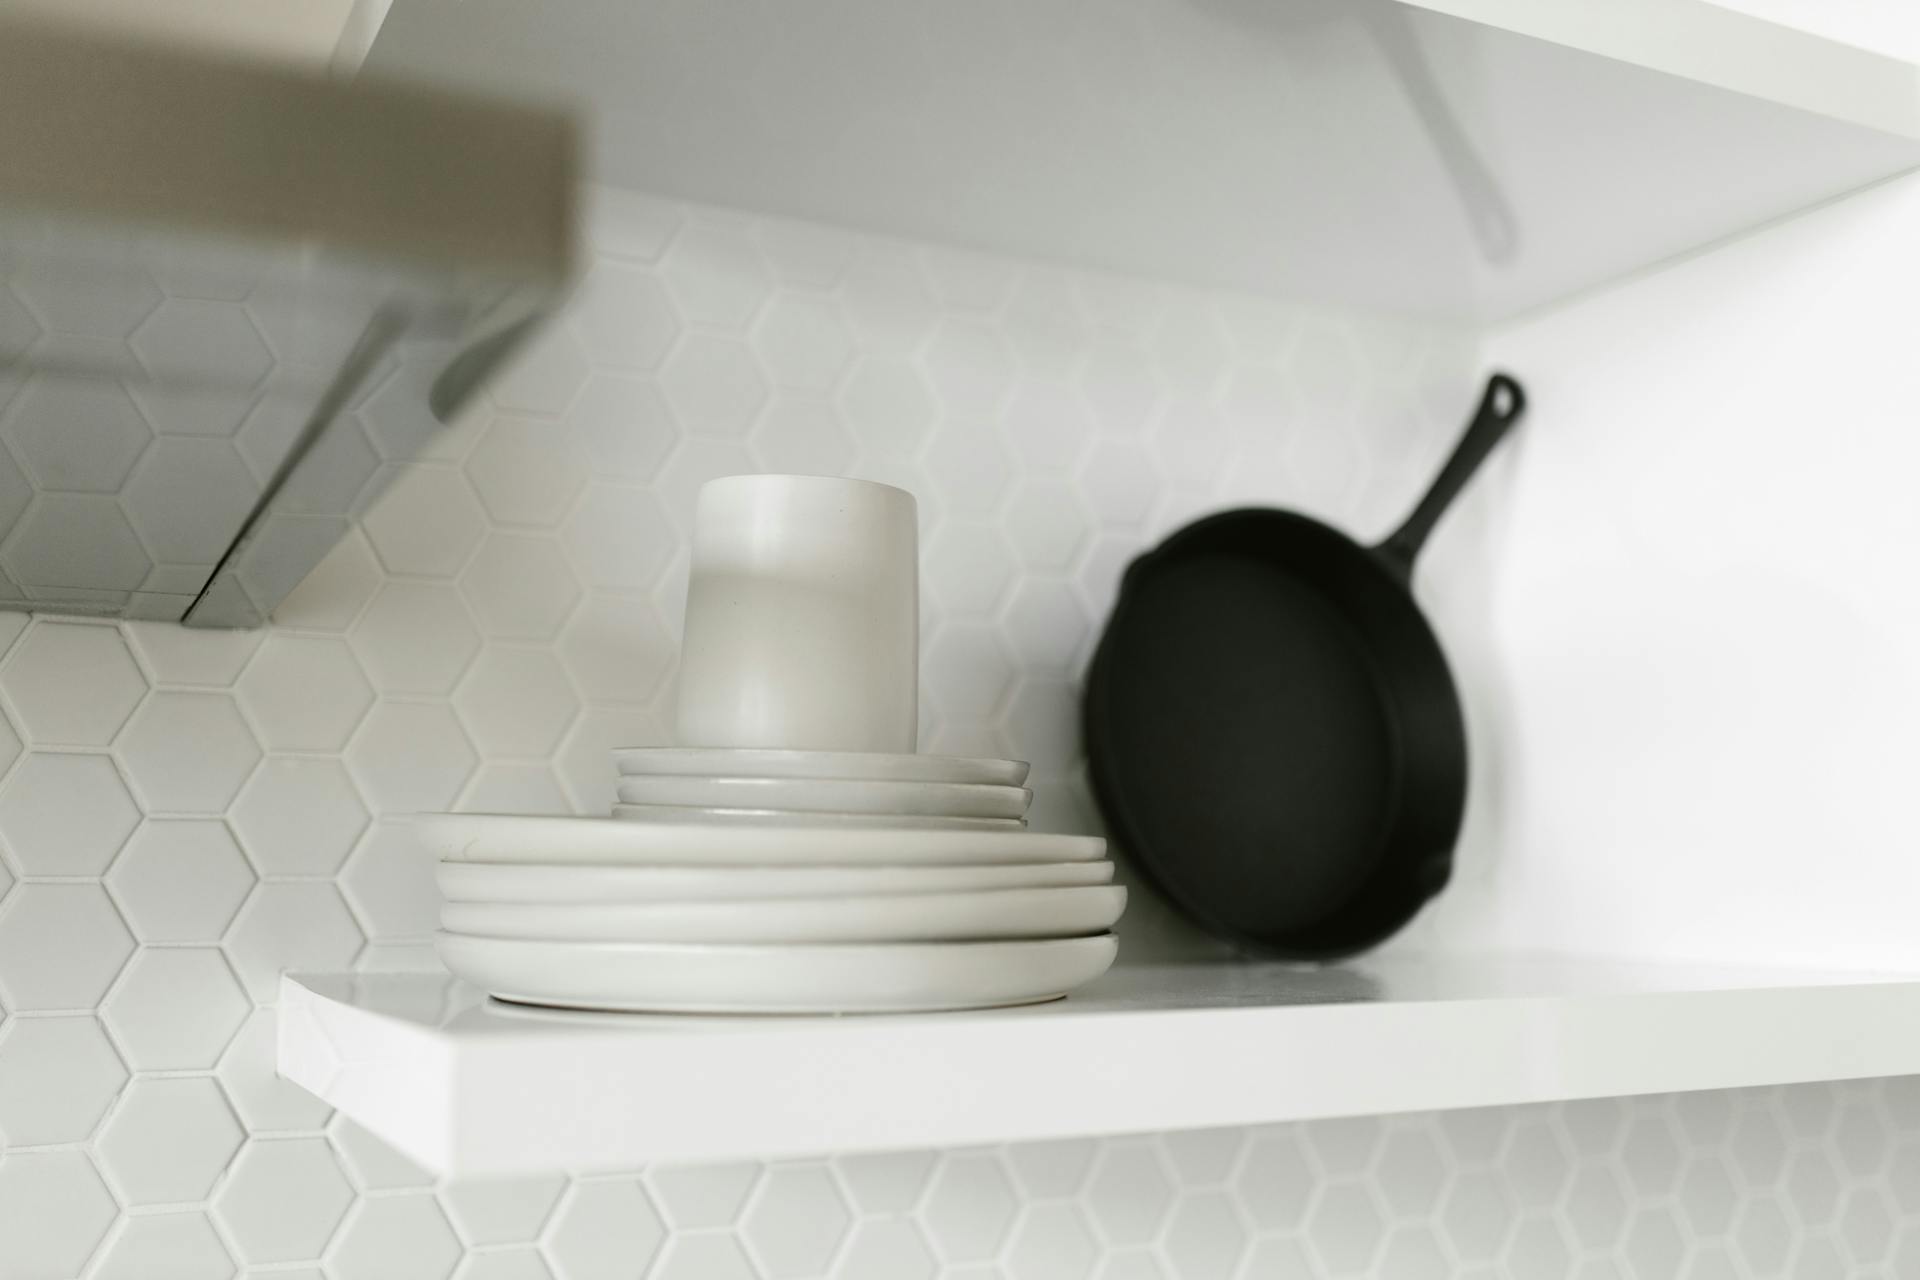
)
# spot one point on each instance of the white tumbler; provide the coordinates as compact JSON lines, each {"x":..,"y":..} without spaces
{"x":803,"y":617}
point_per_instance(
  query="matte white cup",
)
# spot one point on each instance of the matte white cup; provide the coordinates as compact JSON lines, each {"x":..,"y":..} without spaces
{"x":803,"y":616}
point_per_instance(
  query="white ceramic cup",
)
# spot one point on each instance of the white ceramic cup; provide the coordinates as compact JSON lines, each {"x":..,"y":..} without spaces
{"x":803,"y":616}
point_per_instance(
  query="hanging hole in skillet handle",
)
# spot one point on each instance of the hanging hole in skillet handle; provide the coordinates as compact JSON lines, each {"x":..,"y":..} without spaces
{"x":1500,"y":407}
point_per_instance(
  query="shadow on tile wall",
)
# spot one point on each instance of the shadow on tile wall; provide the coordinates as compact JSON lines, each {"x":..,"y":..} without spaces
{"x":184,"y":815}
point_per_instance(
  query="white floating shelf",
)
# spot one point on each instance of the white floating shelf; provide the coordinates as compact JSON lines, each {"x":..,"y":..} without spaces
{"x":1469,"y":159}
{"x":469,"y":1086}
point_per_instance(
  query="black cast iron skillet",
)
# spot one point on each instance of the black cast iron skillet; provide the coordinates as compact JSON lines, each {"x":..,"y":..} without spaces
{"x":1271,"y":727}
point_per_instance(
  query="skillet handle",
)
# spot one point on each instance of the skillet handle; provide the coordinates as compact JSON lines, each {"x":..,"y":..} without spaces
{"x":1500,"y":407}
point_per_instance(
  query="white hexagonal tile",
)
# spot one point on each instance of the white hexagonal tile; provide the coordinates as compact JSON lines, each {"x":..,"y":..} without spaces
{"x":809,"y":254}
{"x":283,"y":1199}
{"x":716,"y":276}
{"x":797,"y":1221}
{"x":1867,"y":1225}
{"x":886,"y":1249}
{"x":887,"y":298}
{"x":175,"y":1009}
{"x":1130,"y":1195}
{"x":706,"y":1195}
{"x":71,"y":684}
{"x":384,"y":1229}
{"x":1052,"y":1240}
{"x":714,"y":385}
{"x":169,"y":1140}
{"x":1758,"y":1148}
{"x":1206,"y":1236}
{"x":411,"y":758}
{"x":300,"y":816}
{"x":804,"y":342}
{"x":1041,"y":721}
{"x":78,"y":542}
{"x":1190,"y":443}
{"x":624,"y":317}
{"x":203,"y":780}
{"x":1203,"y":1157}
{"x":58,"y":1076}
{"x":304,"y":693}
{"x":1596,"y":1207}
{"x":1120,"y":383}
{"x":620,"y":538}
{"x":181,"y":1245}
{"x":1813,"y":1187}
{"x":427,"y":523}
{"x":1052,"y":1170}
{"x":266,"y":1102}
{"x":501,"y":1210}
{"x":66,"y":815}
{"x":970,"y":367}
{"x":516,"y":702}
{"x":54,"y":1211}
{"x":1477,"y":1213}
{"x":885,"y":1182}
{"x":1655,"y":1245}
{"x":1411,"y":1173}
{"x":332,"y":595}
{"x":543,"y":375}
{"x":974,"y":467}
{"x":18,"y":327}
{"x":99,"y":300}
{"x":627,"y":224}
{"x":623,"y":426}
{"x":1047,"y":525}
{"x":526,"y":471}
{"x":188,"y":498}
{"x":967,"y":671}
{"x":371,"y":1162}
{"x":180,"y":655}
{"x":968,"y":569}
{"x":296,"y":925}
{"x":415,"y":637}
{"x":390,"y":883}
{"x":77,"y":435}
{"x":194,"y":339}
{"x":520,"y":586}
{"x":1346,"y":1229}
{"x":802,"y":434}
{"x":509,"y":786}
{"x":1860,"y":1140}
{"x":1707,"y":1196}
{"x":1047,"y":426}
{"x":60,"y":946}
{"x":180,"y":880}
{"x":970,"y":1208}
{"x":1047,"y":626}
{"x":1121,"y":483}
{"x":604,"y":1230}
{"x":698,"y":460}
{"x":887,"y":406}
{"x":703,"y":1257}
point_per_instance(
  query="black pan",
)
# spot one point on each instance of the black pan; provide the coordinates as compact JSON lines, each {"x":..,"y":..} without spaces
{"x":1271,"y":727}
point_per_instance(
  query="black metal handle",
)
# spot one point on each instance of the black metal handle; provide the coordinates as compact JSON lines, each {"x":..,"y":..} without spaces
{"x":1500,"y":407}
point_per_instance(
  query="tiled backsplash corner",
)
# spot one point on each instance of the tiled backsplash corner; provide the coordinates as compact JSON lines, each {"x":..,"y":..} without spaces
{"x":185,"y":815}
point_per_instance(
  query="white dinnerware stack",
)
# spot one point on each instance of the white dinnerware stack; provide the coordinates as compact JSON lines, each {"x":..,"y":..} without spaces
{"x":793,"y":854}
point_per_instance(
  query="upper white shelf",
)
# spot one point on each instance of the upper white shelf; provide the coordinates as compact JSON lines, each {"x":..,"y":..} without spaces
{"x":470,"y":1086}
{"x":1470,"y":159}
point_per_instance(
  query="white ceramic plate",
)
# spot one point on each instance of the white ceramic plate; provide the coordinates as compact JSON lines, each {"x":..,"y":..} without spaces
{"x":832,"y":795}
{"x":790,"y":818}
{"x":931,"y":917}
{"x":912,"y":977}
{"x":501,"y":837}
{"x":558,"y":883}
{"x":749,"y":762}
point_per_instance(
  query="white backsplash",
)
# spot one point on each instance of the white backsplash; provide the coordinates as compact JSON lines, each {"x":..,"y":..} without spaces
{"x":187,"y":814}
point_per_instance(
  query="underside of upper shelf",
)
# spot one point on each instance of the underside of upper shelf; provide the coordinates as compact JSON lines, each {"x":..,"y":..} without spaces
{"x":1467,"y":159}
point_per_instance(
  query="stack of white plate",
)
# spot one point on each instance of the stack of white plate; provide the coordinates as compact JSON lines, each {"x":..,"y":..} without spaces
{"x":802,"y":858}
{"x":819,"y":788}
{"x":771,"y":916}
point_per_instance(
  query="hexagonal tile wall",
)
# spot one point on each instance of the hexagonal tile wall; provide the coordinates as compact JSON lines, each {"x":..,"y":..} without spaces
{"x":184,"y":816}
